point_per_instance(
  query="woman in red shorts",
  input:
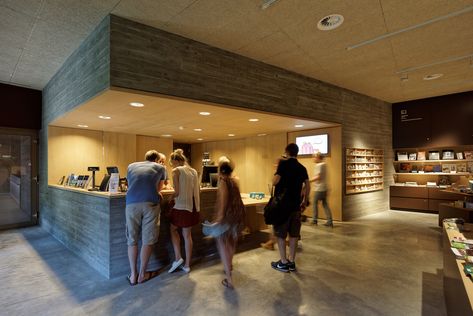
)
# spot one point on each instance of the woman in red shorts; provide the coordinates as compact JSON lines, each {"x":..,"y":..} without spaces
{"x":185,"y":212}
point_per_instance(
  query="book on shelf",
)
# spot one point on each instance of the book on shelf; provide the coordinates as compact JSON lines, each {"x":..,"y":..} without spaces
{"x":402,"y":156}
{"x":448,"y":154}
{"x":459,"y":155}
{"x":421,"y":155}
{"x":434,"y":155}
{"x":468,"y":154}
{"x":413,"y":156}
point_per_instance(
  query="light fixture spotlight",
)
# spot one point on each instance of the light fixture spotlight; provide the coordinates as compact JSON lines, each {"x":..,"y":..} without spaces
{"x":198,"y":129}
{"x":204,"y":113}
{"x":299,"y":125}
{"x":200,"y":139}
{"x":105,"y":117}
{"x":82,"y":125}
{"x":166,"y":135}
{"x":330,"y":22}
{"x":137,"y":104}
{"x":262,"y":134}
{"x":253,"y":120}
{"x":231,"y":135}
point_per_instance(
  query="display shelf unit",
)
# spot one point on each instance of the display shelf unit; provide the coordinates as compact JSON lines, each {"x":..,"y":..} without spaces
{"x":441,"y":171}
{"x":364,"y":170}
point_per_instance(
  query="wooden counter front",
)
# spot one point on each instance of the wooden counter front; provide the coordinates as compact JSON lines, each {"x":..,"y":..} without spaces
{"x":92,"y":225}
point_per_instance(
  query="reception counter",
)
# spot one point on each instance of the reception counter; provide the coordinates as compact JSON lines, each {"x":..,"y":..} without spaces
{"x":92,"y":225}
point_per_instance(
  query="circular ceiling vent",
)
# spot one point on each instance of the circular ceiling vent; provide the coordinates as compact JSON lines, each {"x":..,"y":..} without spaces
{"x":330,"y":22}
{"x":432,"y":77}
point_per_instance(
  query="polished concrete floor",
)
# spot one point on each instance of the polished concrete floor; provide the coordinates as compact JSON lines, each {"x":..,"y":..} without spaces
{"x":10,"y":212}
{"x":384,"y":264}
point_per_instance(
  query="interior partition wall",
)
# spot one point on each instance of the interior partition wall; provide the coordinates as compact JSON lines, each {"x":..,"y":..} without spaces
{"x":122,"y":54}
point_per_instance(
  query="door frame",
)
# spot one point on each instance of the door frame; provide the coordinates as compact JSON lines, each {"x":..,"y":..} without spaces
{"x":34,"y":154}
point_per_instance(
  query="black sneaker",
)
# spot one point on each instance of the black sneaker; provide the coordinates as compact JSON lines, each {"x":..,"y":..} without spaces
{"x":291,"y":265}
{"x":278,"y":265}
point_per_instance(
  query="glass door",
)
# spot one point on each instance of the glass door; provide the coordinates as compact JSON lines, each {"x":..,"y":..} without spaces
{"x":18,"y":178}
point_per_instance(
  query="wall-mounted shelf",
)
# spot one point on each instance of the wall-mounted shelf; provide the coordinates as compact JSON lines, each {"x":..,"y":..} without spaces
{"x":364,"y":170}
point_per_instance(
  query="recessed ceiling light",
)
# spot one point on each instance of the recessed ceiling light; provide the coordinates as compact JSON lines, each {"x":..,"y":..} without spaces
{"x":298,"y":125}
{"x":231,"y":135}
{"x":82,"y":125}
{"x":200,"y":139}
{"x":432,"y":77}
{"x":166,"y":135}
{"x":198,"y":129}
{"x":137,"y":104}
{"x":262,"y":134}
{"x":105,"y":117}
{"x":181,"y":128}
{"x":253,"y":120}
{"x":330,"y":22}
{"x":204,"y":113}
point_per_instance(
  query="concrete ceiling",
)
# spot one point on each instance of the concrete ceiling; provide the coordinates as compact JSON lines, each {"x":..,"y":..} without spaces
{"x":36,"y":37}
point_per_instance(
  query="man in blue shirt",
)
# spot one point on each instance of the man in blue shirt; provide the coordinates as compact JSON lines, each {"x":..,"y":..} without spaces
{"x":145,"y":181}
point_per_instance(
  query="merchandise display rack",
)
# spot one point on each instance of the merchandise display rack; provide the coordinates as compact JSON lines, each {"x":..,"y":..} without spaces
{"x":364,"y":170}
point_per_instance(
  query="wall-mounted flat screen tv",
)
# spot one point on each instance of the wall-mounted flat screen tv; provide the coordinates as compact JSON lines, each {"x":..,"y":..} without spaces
{"x":312,"y":143}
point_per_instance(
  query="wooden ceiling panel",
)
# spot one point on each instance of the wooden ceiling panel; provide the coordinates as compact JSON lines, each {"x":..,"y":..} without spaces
{"x":177,"y":117}
{"x":434,"y":43}
{"x":402,"y":14}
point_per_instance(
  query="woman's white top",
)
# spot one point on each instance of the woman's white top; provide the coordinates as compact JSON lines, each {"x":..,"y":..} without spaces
{"x":188,"y":188}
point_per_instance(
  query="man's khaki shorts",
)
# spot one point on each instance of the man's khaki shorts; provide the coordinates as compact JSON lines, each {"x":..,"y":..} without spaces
{"x":144,"y":218}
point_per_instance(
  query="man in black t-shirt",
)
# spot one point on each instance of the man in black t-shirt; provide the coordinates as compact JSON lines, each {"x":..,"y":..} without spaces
{"x":291,"y":177}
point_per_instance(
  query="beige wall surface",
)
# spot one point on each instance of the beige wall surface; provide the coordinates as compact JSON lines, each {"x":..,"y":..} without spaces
{"x":334,"y":166}
{"x":254,"y":158}
{"x":72,"y":150}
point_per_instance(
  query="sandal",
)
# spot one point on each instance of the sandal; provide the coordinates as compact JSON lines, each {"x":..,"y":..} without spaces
{"x":148,"y":276}
{"x":129,"y":281}
{"x":226,"y":284}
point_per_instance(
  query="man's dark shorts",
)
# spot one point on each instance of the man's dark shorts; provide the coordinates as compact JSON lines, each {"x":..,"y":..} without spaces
{"x":292,"y":226}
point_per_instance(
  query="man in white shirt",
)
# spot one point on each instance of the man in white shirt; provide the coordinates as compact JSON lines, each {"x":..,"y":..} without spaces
{"x":320,"y":188}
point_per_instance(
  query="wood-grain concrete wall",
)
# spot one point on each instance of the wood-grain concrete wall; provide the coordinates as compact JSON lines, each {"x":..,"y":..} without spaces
{"x":85,"y":74}
{"x":147,"y":59}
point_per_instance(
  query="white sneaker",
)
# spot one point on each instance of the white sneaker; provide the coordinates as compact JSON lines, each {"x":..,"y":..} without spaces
{"x":175,"y":265}
{"x":186,"y":270}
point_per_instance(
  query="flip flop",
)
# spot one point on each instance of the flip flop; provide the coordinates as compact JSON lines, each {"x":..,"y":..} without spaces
{"x":226,"y":284}
{"x":128,"y":278}
{"x":150,"y":276}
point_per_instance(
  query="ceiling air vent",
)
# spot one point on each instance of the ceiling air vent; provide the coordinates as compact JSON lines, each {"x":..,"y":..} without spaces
{"x":330,"y":22}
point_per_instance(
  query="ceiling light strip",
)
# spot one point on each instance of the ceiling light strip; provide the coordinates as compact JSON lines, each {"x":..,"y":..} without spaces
{"x":410,"y":28}
{"x":449,"y":60}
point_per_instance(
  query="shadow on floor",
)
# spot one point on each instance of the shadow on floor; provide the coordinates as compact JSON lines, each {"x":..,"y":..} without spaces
{"x":433,"y":299}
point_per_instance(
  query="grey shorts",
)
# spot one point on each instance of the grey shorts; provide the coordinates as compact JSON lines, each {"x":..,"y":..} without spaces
{"x":292,"y":226}
{"x":144,"y":218}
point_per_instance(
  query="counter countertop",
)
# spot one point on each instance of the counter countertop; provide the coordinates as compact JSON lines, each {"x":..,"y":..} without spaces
{"x":247,"y":201}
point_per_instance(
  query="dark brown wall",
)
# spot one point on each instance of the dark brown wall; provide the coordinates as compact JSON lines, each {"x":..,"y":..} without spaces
{"x":434,"y":122}
{"x":20,"y":107}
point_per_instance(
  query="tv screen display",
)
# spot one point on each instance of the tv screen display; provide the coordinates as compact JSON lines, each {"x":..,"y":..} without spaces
{"x":312,"y":143}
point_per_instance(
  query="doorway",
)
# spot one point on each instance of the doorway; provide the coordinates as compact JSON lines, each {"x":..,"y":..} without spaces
{"x":18,"y":178}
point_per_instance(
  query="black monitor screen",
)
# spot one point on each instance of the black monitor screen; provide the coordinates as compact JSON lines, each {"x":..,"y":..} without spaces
{"x":206,"y":171}
{"x":111,"y":170}
{"x":214,"y":179}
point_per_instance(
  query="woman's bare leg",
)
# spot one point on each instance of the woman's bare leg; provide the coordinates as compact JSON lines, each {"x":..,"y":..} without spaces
{"x":176,"y":242}
{"x":186,"y":233}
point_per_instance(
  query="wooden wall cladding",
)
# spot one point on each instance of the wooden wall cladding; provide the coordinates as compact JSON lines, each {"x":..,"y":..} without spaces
{"x":434,"y":122}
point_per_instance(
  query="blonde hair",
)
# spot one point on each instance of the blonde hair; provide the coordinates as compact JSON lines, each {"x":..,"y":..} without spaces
{"x":178,"y":155}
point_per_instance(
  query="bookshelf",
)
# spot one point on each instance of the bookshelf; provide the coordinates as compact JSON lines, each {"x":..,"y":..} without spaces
{"x":364,"y":170}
